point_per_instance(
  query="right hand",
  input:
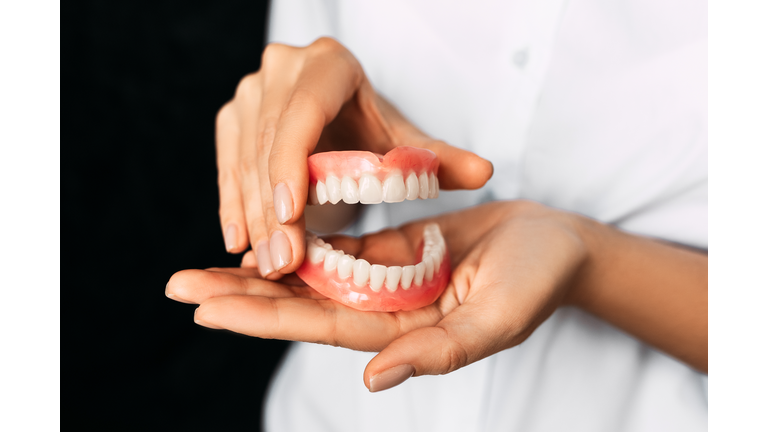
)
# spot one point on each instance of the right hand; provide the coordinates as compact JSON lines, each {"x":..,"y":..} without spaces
{"x":301,"y":101}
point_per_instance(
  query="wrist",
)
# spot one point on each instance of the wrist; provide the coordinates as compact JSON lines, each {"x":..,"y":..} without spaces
{"x":593,"y":237}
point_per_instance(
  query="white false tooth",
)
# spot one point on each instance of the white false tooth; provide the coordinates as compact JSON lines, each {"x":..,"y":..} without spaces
{"x":333,"y":186}
{"x":434,"y":189}
{"x":312,"y":198}
{"x":349,"y":192}
{"x":408,"y":273}
{"x":328,"y":246}
{"x":331,"y":259}
{"x":429,"y":268}
{"x":418,"y":278}
{"x":361,"y":270}
{"x":316,"y":253}
{"x":393,"y":277}
{"x":432,"y":229}
{"x":370,"y":189}
{"x":344,"y":268}
{"x":378,"y":274}
{"x":321,"y":192}
{"x":318,"y":241}
{"x":423,"y":186}
{"x":411,"y":187}
{"x":394,"y":188}
{"x":436,"y":258}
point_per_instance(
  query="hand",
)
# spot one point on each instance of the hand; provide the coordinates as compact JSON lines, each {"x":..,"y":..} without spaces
{"x":305,"y":100}
{"x":513,"y":263}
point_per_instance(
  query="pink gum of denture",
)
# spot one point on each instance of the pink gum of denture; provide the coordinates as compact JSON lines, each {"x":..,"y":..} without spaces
{"x":384,"y":296}
{"x":356,"y":163}
{"x":370,"y":178}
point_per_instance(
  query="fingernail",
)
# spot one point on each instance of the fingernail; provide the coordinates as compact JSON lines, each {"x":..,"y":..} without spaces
{"x":230,"y":237}
{"x":205,"y":324}
{"x":280,"y":250}
{"x":178,"y":299}
{"x":173,"y":296}
{"x":283,"y":201}
{"x":391,"y":377}
{"x":263,"y":259}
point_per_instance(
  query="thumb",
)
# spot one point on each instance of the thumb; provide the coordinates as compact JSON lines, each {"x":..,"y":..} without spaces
{"x":459,"y":168}
{"x":457,"y":341}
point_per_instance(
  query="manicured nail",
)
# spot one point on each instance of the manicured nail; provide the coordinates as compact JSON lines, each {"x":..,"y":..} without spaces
{"x":230,"y":237}
{"x":280,"y":250}
{"x":391,"y":377}
{"x":173,"y":296}
{"x":263,"y":259}
{"x":178,"y":299}
{"x":283,"y":201}
{"x":205,"y":324}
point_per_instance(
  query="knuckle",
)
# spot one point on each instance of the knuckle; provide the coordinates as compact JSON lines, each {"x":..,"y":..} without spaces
{"x":248,"y":86}
{"x":248,"y":164}
{"x":268,"y":132}
{"x":225,"y":114}
{"x":453,"y":356}
{"x":227,"y":177}
{"x":273,"y":53}
{"x":325,"y":45}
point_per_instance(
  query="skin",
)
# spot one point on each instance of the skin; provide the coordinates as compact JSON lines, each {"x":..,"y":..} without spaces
{"x":305,"y":100}
{"x":514,"y":263}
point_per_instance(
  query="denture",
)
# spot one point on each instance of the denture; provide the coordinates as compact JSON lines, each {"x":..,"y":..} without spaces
{"x":404,"y":173}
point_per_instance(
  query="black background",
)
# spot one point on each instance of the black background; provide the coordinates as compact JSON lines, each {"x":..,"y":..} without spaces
{"x":142,"y":84}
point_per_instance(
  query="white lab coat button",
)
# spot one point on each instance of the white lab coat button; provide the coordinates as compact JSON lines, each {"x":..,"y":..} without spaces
{"x":520,"y":58}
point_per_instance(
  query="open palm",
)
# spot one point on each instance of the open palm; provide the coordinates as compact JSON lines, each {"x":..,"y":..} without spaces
{"x":511,"y":261}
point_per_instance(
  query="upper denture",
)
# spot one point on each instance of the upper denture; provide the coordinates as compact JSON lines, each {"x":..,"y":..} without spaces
{"x":368,"y":178}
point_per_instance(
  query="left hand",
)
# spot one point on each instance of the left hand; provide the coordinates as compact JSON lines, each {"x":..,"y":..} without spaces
{"x":509,"y":274}
{"x":513,"y":264}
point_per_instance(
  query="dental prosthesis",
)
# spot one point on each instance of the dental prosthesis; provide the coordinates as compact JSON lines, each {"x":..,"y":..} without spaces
{"x":404,"y":173}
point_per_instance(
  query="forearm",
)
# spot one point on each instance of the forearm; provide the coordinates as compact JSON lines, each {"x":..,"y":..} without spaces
{"x":655,"y":291}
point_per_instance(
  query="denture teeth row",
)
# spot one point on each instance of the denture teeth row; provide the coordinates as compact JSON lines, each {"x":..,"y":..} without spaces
{"x":369,"y":190}
{"x":377,"y":276}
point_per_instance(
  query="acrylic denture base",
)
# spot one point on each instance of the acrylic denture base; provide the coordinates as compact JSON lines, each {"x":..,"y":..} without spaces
{"x":404,"y":173}
{"x":365,"y":286}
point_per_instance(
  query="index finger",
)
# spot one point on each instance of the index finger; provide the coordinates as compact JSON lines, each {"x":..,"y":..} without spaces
{"x":329,"y":78}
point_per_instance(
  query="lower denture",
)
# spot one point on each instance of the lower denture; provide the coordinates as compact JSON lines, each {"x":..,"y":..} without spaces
{"x":374,"y":287}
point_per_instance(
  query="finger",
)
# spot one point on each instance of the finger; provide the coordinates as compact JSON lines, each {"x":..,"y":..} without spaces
{"x":197,"y":286}
{"x":291,"y":279}
{"x":466,"y":335}
{"x":330,"y":76}
{"x":249,"y":260}
{"x":231,"y":212}
{"x":459,"y":168}
{"x":309,"y":320}
{"x":510,"y":296}
{"x":286,"y":240}
{"x":248,"y":99}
